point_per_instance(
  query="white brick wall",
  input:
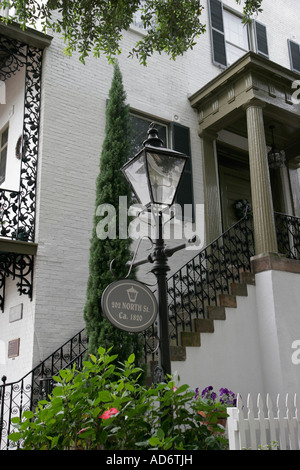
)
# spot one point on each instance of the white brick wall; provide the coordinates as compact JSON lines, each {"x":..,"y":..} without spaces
{"x":15,"y":368}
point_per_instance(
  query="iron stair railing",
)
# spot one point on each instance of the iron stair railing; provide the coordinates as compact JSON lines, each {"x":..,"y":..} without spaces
{"x":23,"y":395}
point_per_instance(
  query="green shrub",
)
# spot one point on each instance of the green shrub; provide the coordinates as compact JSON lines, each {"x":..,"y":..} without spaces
{"x":105,"y":406}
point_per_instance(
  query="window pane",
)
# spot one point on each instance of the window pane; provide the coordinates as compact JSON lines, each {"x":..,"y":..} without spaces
{"x":233,"y":53}
{"x":3,"y":164}
{"x":4,"y":137}
{"x":235,"y":32}
{"x":139,"y":128}
{"x":164,"y":174}
{"x":136,"y":174}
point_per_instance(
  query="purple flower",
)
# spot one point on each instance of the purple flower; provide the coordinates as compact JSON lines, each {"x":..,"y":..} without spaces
{"x":226,"y":397}
{"x":208,"y":394}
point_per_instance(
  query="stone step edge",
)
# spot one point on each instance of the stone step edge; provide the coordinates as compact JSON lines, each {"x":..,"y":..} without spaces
{"x":218,"y":312}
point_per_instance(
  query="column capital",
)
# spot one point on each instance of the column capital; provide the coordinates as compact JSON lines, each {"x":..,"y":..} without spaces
{"x":208,"y":135}
{"x":254,"y":102}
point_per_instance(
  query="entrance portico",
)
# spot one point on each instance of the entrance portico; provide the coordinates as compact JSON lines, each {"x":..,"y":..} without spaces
{"x":244,"y":101}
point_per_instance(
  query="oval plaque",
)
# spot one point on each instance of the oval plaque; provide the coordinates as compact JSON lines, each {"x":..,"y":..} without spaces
{"x":129,"y":305}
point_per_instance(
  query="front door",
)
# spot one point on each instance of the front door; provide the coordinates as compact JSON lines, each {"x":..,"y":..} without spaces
{"x":234,"y":187}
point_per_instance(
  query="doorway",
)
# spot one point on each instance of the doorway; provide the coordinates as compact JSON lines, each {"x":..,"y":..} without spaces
{"x":234,"y":180}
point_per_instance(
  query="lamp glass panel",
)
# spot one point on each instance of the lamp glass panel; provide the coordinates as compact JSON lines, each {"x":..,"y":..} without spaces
{"x":136,"y":173}
{"x":164,"y":175}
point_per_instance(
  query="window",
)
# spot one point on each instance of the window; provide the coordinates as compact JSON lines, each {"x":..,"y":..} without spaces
{"x":236,"y":37}
{"x":3,"y":153}
{"x":137,"y":17}
{"x":180,"y":142}
{"x":229,"y":35}
{"x":139,"y":128}
{"x":294,"y":50}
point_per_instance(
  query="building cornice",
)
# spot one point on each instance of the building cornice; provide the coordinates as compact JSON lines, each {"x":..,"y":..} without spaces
{"x":250,"y":62}
{"x":28,"y":36}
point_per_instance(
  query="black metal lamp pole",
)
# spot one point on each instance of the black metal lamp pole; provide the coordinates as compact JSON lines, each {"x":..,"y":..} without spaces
{"x":160,"y":269}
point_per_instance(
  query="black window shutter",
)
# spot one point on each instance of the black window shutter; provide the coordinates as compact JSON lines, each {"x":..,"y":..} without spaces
{"x":217,"y":32}
{"x":261,"y":39}
{"x":294,"y":50}
{"x":181,"y":143}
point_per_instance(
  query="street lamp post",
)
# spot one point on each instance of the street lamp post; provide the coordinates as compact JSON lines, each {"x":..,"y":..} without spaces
{"x":154,"y":174}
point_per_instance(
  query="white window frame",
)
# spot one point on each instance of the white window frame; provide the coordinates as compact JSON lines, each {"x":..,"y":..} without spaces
{"x":241,"y":47}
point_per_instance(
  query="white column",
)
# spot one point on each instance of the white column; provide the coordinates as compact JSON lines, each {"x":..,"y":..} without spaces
{"x":213,"y":219}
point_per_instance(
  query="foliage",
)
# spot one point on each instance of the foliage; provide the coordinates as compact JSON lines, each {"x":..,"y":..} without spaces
{"x":242,"y":208}
{"x":250,"y":7}
{"x":105,"y":406}
{"x":110,"y":185}
{"x":97,"y":26}
{"x":212,"y":404}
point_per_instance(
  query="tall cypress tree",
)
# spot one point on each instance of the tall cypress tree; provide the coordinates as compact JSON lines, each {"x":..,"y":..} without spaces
{"x":110,"y":185}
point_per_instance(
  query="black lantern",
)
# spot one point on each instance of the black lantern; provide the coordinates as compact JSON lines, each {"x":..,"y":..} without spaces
{"x":155,"y":172}
{"x":276,"y":158}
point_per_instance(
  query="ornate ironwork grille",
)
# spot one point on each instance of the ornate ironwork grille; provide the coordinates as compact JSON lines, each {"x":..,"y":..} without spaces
{"x":288,"y":235}
{"x":17,"y":397}
{"x":199,"y":282}
{"x":17,"y":208}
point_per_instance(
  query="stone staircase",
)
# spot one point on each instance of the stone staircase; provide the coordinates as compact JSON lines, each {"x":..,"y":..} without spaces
{"x":214,"y":313}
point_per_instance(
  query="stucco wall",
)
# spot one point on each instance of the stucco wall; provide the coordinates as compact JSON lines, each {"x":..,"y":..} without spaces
{"x":252,"y":350}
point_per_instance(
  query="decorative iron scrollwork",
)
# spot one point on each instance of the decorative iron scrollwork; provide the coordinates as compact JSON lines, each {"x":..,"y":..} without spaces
{"x":20,"y":267}
{"x":12,"y":57}
{"x":17,"y":208}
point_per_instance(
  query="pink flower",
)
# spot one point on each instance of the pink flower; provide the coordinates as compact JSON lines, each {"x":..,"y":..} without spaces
{"x":109,"y":413}
{"x":174,"y":389}
{"x":82,"y":430}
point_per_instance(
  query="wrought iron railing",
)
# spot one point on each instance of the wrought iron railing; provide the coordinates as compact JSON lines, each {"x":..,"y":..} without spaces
{"x":288,"y":235}
{"x":191,"y":289}
{"x":198,"y":283}
{"x":17,"y":397}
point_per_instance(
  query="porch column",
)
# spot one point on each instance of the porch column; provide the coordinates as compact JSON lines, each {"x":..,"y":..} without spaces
{"x":213,"y":220}
{"x":262,"y":204}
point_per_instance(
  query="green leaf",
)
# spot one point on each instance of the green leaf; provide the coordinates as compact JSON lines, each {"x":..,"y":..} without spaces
{"x":131,"y":359}
{"x":28,"y":414}
{"x":58,"y":392}
{"x":14,"y":436}
{"x":104,"y":396}
{"x":154,"y":441}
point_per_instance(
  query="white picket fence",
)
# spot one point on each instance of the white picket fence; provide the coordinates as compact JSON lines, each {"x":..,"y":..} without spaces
{"x":263,"y":427}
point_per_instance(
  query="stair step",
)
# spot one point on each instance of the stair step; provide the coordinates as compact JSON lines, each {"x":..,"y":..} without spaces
{"x":247,"y":278}
{"x":190,"y":338}
{"x":227,"y":300}
{"x":237,"y":288}
{"x":178,"y":353}
{"x":216,"y":313}
{"x":204,"y":325}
